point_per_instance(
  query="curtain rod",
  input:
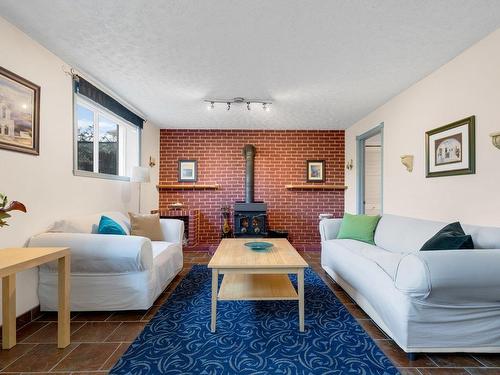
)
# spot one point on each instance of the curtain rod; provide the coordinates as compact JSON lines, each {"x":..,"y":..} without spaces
{"x":71,"y":71}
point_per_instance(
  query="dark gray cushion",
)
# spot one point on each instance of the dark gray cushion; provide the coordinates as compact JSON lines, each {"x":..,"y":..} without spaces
{"x":451,"y":237}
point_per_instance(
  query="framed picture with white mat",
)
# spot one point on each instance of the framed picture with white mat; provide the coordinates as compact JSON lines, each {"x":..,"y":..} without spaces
{"x":450,"y":150}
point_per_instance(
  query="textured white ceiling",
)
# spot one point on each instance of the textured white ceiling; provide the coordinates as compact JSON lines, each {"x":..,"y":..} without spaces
{"x":325,"y":63}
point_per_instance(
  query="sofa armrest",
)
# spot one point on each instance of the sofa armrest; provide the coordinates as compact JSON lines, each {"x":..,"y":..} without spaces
{"x":329,"y":228}
{"x":99,"y":253}
{"x":173,"y":230}
{"x":451,"y":277}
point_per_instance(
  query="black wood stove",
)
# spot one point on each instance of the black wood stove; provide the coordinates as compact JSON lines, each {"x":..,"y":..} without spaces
{"x":250,"y":218}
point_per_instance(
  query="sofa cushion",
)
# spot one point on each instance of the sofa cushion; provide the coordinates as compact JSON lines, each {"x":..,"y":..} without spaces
{"x":386,"y":261}
{"x":403,"y":234}
{"x":413,"y":233}
{"x":484,"y":237}
{"x":161,"y":246}
{"x":407,"y":272}
{"x":358,"y":227}
{"x":88,"y":223}
{"x":451,"y":237}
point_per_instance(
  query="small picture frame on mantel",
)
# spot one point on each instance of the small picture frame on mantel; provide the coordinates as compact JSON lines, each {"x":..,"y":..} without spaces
{"x":188,"y":170}
{"x":316,"y":171}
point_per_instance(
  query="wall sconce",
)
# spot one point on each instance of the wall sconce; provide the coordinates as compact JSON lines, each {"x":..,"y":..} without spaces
{"x":152,"y":161}
{"x":349,"y":165}
{"x":407,"y":161}
{"x":495,"y":139}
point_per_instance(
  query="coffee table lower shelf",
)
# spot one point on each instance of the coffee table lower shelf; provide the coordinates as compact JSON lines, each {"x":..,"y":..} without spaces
{"x":256,"y":287}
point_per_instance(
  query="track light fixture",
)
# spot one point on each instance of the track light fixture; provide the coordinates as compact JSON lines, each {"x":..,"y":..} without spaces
{"x":239,"y":100}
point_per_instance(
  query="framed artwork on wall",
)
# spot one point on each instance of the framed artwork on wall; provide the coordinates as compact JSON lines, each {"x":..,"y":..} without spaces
{"x":19,"y":113}
{"x":450,"y":150}
{"x":188,"y":171}
{"x":316,"y":171}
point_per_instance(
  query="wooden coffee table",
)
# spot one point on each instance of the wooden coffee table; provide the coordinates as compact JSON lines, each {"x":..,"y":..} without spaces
{"x":257,"y":275}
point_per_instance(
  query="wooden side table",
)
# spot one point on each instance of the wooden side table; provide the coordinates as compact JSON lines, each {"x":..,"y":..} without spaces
{"x":13,"y":260}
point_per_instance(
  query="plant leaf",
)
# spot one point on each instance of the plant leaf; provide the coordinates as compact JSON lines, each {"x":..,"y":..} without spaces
{"x":16,"y":206}
{"x":3,"y":200}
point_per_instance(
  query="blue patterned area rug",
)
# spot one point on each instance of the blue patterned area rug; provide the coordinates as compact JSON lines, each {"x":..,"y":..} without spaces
{"x":259,"y":337}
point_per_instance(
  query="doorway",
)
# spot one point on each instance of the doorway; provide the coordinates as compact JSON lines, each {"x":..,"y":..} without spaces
{"x":370,"y":171}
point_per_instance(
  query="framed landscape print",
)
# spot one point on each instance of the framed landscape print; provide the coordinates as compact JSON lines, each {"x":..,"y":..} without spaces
{"x":188,"y":171}
{"x":19,"y":113}
{"x":451,"y":149}
{"x":315,"y":171}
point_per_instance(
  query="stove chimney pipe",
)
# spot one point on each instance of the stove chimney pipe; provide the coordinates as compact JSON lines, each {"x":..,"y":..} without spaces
{"x":249,"y":154}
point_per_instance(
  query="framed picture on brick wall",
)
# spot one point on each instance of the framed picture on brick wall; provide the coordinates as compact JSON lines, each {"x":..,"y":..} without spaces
{"x":188,"y":171}
{"x":315,"y":171}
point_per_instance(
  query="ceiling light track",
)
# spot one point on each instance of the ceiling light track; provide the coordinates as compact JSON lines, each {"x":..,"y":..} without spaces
{"x":239,"y":100}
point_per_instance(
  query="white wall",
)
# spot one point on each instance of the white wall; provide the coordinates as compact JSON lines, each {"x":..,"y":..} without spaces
{"x":150,"y":147}
{"x":468,"y":85}
{"x":45,"y":183}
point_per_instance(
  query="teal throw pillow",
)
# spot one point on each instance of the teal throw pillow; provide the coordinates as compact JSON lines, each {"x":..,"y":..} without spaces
{"x":358,"y":227}
{"x":109,"y":226}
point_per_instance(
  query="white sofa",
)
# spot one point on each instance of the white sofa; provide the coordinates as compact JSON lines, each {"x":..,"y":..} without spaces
{"x":426,"y":301}
{"x":110,"y":272}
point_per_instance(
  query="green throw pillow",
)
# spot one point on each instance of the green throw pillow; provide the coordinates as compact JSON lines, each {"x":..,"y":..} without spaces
{"x":358,"y":227}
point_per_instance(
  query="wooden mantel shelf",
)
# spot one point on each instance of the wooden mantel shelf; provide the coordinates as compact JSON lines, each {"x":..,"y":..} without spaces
{"x":315,"y":187}
{"x":188,"y":186}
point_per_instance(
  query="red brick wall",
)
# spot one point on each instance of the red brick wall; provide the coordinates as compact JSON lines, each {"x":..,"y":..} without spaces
{"x":280,"y":159}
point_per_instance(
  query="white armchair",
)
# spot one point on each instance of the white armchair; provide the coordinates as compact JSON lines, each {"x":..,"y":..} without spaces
{"x":110,"y":272}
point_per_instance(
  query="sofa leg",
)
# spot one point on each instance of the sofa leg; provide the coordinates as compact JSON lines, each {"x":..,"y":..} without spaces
{"x":412,"y":356}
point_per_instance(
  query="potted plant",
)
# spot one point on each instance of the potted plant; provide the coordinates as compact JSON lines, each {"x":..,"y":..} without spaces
{"x":6,"y":208}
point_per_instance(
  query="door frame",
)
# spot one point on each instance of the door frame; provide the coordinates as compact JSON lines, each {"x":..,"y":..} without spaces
{"x":360,"y":164}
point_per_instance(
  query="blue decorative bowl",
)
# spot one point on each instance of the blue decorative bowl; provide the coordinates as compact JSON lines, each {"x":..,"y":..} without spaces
{"x":258,"y":245}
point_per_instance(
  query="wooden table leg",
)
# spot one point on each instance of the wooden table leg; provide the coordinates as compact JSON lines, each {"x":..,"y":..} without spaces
{"x":300,"y":287}
{"x":63,"y":316}
{"x":215,"y":286}
{"x":9,"y":311}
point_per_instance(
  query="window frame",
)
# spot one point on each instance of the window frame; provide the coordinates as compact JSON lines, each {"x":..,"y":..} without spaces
{"x":95,"y":107}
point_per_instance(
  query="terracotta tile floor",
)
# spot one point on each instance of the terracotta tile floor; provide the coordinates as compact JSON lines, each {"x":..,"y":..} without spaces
{"x":99,"y":339}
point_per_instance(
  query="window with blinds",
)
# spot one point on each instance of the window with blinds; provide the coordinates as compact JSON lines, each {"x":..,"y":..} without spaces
{"x":107,"y":144}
